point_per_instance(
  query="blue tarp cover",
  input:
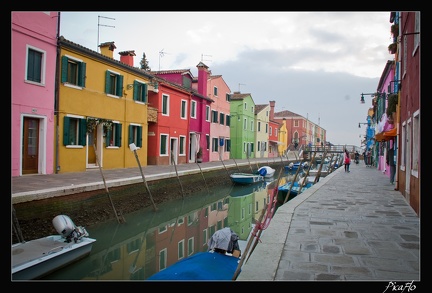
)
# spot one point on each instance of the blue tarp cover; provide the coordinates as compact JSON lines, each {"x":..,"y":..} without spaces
{"x":200,"y":266}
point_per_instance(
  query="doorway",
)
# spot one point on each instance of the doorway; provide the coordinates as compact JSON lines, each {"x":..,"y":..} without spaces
{"x":174,"y":151}
{"x":30,"y":146}
{"x":95,"y":138}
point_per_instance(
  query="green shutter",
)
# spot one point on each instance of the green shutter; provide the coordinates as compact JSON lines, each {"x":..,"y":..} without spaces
{"x":82,"y":132}
{"x":118,"y":130}
{"x":81,"y":74}
{"x":145,"y":93}
{"x":119,"y":86}
{"x":108,"y":137}
{"x":139,"y":136}
{"x":64,"y":64}
{"x":107,"y":82}
{"x":66,"y":123}
{"x":135,"y":90}
{"x":130,"y":139}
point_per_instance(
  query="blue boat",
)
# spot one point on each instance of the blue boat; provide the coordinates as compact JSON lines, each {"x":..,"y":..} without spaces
{"x":294,"y":166}
{"x":283,"y":190}
{"x":246,"y":178}
{"x":218,"y":264}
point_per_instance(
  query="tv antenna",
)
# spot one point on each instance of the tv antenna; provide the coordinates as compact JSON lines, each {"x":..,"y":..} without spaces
{"x":161,"y":54}
{"x":202,"y":57}
{"x":240,"y":85}
{"x":99,"y":25}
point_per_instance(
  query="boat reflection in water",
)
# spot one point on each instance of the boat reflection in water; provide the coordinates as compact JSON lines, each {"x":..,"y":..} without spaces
{"x":151,"y":240}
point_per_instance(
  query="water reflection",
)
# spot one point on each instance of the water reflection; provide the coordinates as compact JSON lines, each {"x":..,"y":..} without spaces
{"x":150,"y":241}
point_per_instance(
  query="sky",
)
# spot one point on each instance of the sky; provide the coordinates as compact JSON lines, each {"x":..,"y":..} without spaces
{"x":315,"y":64}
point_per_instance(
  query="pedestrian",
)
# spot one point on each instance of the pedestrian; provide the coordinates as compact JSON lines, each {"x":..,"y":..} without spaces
{"x":356,"y":157}
{"x":347,"y":161}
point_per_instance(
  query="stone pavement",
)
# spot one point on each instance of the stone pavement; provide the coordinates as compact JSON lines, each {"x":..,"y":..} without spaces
{"x":348,"y":227}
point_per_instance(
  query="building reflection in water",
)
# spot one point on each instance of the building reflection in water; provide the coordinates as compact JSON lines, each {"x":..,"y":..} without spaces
{"x":151,"y":240}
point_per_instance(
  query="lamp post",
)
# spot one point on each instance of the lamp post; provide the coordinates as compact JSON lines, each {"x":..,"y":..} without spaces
{"x":362,"y":100}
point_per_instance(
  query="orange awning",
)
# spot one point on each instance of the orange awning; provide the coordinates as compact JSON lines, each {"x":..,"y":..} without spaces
{"x":386,"y":135}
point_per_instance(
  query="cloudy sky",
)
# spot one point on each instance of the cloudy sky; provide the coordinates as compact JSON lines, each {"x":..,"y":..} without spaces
{"x":315,"y":64}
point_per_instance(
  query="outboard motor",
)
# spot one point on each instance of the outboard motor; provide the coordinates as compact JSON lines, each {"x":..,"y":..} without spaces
{"x":67,"y":229}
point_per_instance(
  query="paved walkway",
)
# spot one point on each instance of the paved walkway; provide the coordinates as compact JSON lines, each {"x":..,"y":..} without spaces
{"x":350,"y":226}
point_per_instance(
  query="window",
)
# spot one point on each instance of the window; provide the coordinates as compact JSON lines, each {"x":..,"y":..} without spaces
{"x":244,"y":124}
{"x":214,"y":116}
{"x":180,"y":249}
{"x":73,"y":71}
{"x":113,"y":136}
{"x":416,"y":138}
{"x":208,"y":141}
{"x":133,"y":245}
{"x":215,"y":144}
{"x":222,"y":118}
{"x":193,"y":109}
{"x":74,"y":131}
{"x":140,"y":91}
{"x":227,"y":146}
{"x":215,"y":91}
{"x":35,"y":71}
{"x":135,"y":135}
{"x":228,"y":120}
{"x":182,"y":145}
{"x":162,"y":259}
{"x":416,"y":29}
{"x":163,"y":151}
{"x":228,"y":97}
{"x":191,"y":246}
{"x":183,"y":106}
{"x":252,"y":126}
{"x":113,"y":83}
{"x":165,"y":105}
{"x":259,"y":126}
{"x":266,"y":128}
{"x":207,"y":113}
{"x":205,"y":237}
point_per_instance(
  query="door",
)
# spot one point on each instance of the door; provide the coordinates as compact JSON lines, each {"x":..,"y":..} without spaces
{"x":94,"y":139}
{"x":173,"y":151}
{"x":408,"y":160}
{"x":30,"y":148}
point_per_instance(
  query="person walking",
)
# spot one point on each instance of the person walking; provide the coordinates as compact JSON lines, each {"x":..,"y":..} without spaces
{"x":347,"y":161}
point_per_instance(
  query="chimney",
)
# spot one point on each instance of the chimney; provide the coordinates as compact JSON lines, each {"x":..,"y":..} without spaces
{"x":272,"y":106}
{"x":107,"y":49}
{"x":203,"y":75}
{"x":127,"y":57}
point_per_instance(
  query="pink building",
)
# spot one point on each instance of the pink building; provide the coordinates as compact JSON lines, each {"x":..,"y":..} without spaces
{"x":220,"y":93}
{"x":33,"y":68}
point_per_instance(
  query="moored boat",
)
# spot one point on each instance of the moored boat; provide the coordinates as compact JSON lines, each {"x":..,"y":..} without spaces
{"x":246,"y":178}
{"x":266,"y":171}
{"x":220,"y":262}
{"x":36,"y":258}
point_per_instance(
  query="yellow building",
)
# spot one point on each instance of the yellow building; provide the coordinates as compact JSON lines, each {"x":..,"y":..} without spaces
{"x":283,"y":138}
{"x":101,"y":108}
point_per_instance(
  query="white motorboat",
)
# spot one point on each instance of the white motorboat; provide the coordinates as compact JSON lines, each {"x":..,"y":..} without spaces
{"x":36,"y":258}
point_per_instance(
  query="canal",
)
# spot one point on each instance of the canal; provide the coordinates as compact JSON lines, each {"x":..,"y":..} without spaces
{"x":150,"y":241}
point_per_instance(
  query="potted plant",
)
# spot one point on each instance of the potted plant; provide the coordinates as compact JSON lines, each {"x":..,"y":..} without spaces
{"x":392,"y":48}
{"x":199,"y":156}
{"x":391,"y":105}
{"x":395,"y":30}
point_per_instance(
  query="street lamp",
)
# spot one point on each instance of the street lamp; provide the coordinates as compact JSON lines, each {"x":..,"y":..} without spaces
{"x":362,"y":100}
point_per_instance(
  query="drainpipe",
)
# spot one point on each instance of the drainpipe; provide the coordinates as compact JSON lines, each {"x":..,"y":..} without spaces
{"x":56,"y":98}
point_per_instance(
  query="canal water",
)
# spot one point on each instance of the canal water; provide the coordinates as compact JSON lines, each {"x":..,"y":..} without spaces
{"x":150,"y":241}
